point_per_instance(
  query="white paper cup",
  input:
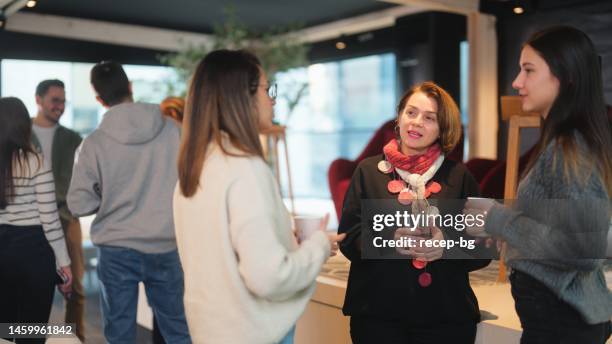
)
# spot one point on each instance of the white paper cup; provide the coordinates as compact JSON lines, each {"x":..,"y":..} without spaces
{"x":307,"y":224}
{"x":479,"y":234}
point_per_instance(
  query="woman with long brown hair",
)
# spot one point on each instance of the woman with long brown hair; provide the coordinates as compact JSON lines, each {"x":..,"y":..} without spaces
{"x":32,"y":244}
{"x":247,"y":280}
{"x":557,"y":230}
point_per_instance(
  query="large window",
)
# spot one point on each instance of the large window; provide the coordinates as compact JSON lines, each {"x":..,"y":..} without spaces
{"x":83,"y":113}
{"x":345,"y":103}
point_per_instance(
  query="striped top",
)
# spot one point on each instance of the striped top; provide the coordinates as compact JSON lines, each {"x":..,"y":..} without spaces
{"x":33,"y":203}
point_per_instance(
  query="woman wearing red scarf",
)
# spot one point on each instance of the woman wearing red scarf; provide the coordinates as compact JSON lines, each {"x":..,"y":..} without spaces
{"x":420,"y":299}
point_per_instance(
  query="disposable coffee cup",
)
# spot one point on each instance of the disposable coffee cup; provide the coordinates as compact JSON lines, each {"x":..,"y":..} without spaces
{"x":307,"y":224}
{"x":480,"y":234}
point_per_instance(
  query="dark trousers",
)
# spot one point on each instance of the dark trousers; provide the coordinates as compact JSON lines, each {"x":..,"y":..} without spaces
{"x":370,"y":330}
{"x":546,"y":319}
{"x":27,"y":275}
{"x":157,"y":336}
{"x":75,"y":306}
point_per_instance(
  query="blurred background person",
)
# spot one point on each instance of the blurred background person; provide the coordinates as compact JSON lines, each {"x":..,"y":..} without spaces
{"x":32,"y":245}
{"x":173,"y":107}
{"x":125,"y":173}
{"x":58,"y":145}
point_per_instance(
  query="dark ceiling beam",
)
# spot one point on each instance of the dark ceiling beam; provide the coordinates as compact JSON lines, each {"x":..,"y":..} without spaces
{"x":354,"y":25}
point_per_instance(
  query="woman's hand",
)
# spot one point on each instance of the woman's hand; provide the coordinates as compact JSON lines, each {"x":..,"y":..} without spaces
{"x":411,"y":236}
{"x":432,"y":251}
{"x":334,"y":239}
{"x":418,"y":238}
{"x":299,"y":237}
{"x":478,"y":208}
{"x":66,"y":287}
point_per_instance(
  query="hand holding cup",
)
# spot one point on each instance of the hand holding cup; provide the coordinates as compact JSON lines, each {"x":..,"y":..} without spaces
{"x":478,"y":207}
{"x":306,"y":225}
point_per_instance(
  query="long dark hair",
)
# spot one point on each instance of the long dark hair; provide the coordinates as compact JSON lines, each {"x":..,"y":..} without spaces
{"x":15,"y":144}
{"x":221,"y":98}
{"x":579,"y":106}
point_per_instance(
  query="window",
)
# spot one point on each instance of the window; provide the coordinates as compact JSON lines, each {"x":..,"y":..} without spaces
{"x":82,"y":113}
{"x":346,"y":102}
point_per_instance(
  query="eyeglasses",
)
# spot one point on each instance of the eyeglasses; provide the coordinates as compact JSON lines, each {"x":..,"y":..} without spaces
{"x":272,"y":91}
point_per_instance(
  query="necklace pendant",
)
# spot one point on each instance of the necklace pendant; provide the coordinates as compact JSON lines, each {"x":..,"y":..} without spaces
{"x":419,"y":264}
{"x":395,"y":186}
{"x":425,"y":279}
{"x":385,"y":167}
{"x":434,"y":187}
{"x":405,"y":197}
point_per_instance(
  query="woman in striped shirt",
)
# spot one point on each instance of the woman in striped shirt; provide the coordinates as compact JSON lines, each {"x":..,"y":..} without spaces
{"x":32,"y":246}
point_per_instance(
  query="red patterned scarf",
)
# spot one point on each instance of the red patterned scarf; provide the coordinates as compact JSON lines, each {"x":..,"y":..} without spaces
{"x":418,"y":164}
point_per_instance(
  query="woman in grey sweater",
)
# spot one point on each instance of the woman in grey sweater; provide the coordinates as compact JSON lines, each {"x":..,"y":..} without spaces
{"x":557,"y":228}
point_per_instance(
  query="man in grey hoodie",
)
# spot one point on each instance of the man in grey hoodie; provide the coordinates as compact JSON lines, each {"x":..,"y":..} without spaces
{"x":125,"y":173}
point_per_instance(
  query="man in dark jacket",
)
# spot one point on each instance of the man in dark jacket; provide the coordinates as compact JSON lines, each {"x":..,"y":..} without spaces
{"x":58,"y":145}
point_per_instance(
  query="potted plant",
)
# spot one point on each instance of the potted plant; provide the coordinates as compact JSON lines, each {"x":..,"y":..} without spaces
{"x":278,"y":49}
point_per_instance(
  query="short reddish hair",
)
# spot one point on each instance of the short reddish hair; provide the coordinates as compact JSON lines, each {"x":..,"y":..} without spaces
{"x":173,"y":107}
{"x":449,"y":119}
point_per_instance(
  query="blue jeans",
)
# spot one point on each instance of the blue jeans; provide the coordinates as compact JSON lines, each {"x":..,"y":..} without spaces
{"x":119,"y":271}
{"x":289,"y":337}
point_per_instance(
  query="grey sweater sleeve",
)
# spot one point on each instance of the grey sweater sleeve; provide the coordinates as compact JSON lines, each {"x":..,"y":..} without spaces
{"x":84,"y":194}
{"x":573,"y":235}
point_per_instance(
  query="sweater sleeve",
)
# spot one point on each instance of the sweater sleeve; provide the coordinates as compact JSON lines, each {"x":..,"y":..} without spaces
{"x":84,"y":194}
{"x":570,"y":231}
{"x":569,"y":246}
{"x":44,"y":188}
{"x":268,"y":269}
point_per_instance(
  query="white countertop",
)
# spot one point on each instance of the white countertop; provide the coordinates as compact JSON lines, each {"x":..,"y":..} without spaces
{"x":500,"y":323}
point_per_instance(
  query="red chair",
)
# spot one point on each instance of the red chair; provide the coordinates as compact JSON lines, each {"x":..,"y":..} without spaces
{"x":480,"y":167}
{"x":341,"y":170}
{"x":493,"y":183}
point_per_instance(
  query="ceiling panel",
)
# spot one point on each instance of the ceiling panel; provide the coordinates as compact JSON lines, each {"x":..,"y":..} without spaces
{"x":201,"y":15}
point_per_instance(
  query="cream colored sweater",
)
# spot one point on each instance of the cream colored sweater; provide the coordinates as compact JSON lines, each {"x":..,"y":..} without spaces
{"x":246,"y":278}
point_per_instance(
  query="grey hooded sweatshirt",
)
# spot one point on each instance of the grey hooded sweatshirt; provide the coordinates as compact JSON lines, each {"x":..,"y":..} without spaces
{"x":125,"y":172}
